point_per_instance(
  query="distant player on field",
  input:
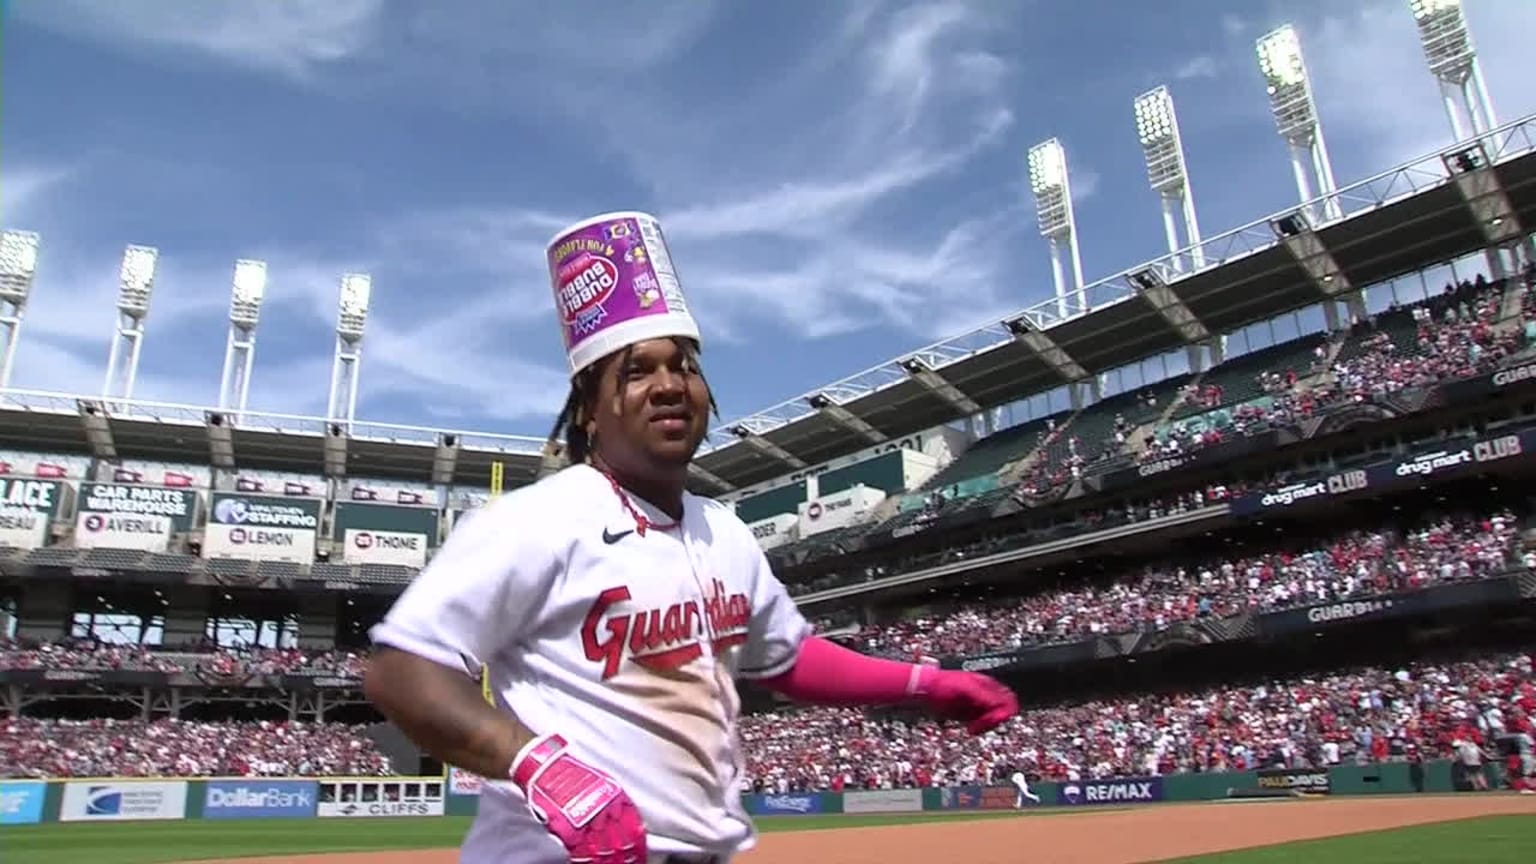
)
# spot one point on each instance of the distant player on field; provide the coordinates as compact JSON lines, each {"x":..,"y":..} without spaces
{"x":613,"y":610}
{"x":1021,"y":784}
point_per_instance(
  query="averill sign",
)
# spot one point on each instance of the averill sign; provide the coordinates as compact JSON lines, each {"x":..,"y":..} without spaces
{"x":121,"y":516}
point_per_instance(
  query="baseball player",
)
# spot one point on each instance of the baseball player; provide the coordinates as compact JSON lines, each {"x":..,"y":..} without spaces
{"x":612,"y":610}
{"x":1022,"y":785}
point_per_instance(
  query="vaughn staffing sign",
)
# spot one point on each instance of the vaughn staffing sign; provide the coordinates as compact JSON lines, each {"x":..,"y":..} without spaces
{"x":26,"y":509}
{"x":258,"y":528}
{"x":120,"y":516}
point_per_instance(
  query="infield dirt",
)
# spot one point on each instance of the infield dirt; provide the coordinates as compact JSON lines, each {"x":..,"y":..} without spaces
{"x":1118,"y":837}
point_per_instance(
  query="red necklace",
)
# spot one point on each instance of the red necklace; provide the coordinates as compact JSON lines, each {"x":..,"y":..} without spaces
{"x":642,"y":524}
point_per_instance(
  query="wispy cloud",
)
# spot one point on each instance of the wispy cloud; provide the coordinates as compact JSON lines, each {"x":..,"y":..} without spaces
{"x":24,"y":191}
{"x":291,"y":38}
{"x":838,"y":182}
{"x":1203,"y":66}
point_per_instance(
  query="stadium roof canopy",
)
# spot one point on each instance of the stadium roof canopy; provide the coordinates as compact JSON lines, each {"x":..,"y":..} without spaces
{"x":1434,"y":209}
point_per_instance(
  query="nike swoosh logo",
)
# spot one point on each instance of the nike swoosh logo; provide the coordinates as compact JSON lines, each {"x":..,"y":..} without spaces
{"x":611,"y":538}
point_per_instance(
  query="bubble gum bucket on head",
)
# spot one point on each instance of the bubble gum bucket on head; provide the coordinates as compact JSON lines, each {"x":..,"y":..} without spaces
{"x":614,"y":285}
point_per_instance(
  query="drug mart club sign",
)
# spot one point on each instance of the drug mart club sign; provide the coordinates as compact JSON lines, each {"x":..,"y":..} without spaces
{"x":123,"y":516}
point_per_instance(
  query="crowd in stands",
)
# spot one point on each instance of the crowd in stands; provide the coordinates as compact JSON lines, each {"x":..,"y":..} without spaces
{"x":37,"y":747}
{"x":1462,"y":709}
{"x":1451,"y":336}
{"x":1349,"y":566}
{"x":91,"y":654}
{"x":1089,"y":520}
{"x":1353,"y":717}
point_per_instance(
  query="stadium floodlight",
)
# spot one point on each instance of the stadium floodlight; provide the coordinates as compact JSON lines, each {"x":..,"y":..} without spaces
{"x":1051,"y":184}
{"x":346,"y":362}
{"x":352,"y":307}
{"x":18,"y":265}
{"x":18,"y":270}
{"x":246,"y":294}
{"x":135,"y":287}
{"x":136,"y":280}
{"x":1295,"y":112}
{"x":1452,"y":59}
{"x":1157,"y":127}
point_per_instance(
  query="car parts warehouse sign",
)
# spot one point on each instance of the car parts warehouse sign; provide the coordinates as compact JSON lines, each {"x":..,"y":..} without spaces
{"x":258,"y":528}
{"x":385,"y":533}
{"x":120,"y":516}
{"x":26,"y":509}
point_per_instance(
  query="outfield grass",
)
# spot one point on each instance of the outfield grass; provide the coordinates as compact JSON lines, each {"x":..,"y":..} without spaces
{"x":161,"y":842}
{"x":1486,"y":840}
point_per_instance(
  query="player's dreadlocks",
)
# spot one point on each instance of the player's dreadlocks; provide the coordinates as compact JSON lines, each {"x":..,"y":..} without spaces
{"x":573,"y":417}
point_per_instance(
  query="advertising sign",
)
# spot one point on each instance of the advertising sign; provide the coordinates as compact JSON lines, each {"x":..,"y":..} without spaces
{"x":119,"y":516}
{"x":26,"y":508}
{"x":883,"y":801}
{"x":999,"y":798}
{"x":43,"y":466}
{"x":259,"y":799}
{"x":124,"y":800}
{"x":1117,"y":790}
{"x":390,"y":493}
{"x":840,"y":510}
{"x":261,"y":529}
{"x":378,"y":809}
{"x":1311,"y":781}
{"x":21,"y":803}
{"x":1483,"y":592}
{"x":384,"y":547}
{"x":775,"y":531}
{"x":788,"y":804}
{"x":461,"y":782}
{"x":385,"y":533}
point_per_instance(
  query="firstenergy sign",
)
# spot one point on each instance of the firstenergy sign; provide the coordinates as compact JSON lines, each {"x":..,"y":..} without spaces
{"x":258,"y":528}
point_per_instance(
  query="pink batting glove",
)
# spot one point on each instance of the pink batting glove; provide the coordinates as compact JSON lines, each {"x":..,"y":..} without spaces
{"x":583,"y":807}
{"x":978,"y":700}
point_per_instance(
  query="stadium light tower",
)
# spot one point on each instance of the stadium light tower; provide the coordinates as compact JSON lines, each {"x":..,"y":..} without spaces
{"x":1290,"y":99}
{"x":250,"y":287}
{"x":1453,"y":60}
{"x":351,"y":316}
{"x":18,"y":267}
{"x":135,"y":284}
{"x":1158,"y":128}
{"x":1052,"y":187}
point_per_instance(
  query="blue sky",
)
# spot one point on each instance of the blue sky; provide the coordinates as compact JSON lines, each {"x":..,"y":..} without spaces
{"x":841,"y":182}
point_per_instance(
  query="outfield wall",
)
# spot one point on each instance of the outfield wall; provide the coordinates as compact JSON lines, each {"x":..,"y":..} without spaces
{"x":113,"y":799}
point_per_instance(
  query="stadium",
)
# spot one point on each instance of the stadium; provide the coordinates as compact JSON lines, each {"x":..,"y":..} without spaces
{"x":1299,"y":577}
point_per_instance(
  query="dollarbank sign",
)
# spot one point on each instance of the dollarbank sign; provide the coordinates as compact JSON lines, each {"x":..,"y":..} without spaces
{"x":259,"y":528}
{"x":123,"y":516}
{"x":26,"y":509}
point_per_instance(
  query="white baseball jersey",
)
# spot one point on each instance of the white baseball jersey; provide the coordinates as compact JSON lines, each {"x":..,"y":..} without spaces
{"x":625,"y":645}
